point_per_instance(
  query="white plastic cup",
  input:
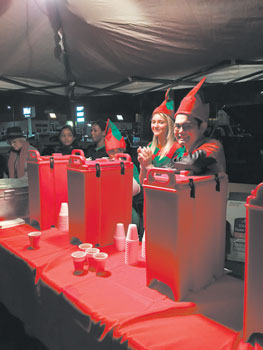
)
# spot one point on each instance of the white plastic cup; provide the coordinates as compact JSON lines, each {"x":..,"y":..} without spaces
{"x":143,"y":253}
{"x":34,"y":239}
{"x":90,"y":257}
{"x":131,"y":245}
{"x":79,"y":258}
{"x":119,"y":243}
{"x":119,"y":232}
{"x":63,"y":224}
{"x":100,"y":259}
{"x":64,"y":209}
{"x":132,"y":233}
{"x":131,"y":252}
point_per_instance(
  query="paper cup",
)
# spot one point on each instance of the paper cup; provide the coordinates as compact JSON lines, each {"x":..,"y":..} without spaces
{"x":132,"y":233}
{"x":100,"y":259}
{"x":90,"y":257}
{"x":64,"y":209}
{"x":34,"y":239}
{"x":119,"y":243}
{"x":79,"y":258}
{"x":119,"y":232}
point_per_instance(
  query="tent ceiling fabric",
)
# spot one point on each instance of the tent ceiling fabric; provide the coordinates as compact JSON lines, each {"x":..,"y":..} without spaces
{"x":88,"y":47}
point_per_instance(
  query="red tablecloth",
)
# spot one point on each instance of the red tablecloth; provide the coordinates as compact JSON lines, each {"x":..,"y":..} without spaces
{"x":83,"y":311}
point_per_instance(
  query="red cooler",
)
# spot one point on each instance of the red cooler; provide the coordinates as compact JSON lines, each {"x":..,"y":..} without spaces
{"x":47,"y":185}
{"x":185,"y":218}
{"x":253,"y":301}
{"x":99,"y":197}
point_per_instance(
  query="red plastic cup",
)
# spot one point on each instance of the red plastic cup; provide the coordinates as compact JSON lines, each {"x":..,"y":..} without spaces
{"x":79,"y":258}
{"x":100,"y":259}
{"x":90,"y":257}
{"x":85,"y":246}
{"x":34,"y":239}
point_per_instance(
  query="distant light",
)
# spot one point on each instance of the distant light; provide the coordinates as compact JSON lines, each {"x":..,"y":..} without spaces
{"x":70,"y":123}
{"x":29,"y":112}
{"x":80,"y":119}
{"x":88,"y":124}
{"x":52,"y":115}
{"x":8,"y":107}
{"x":119,"y":117}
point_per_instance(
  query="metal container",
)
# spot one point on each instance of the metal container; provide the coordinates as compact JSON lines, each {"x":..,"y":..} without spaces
{"x":13,"y":198}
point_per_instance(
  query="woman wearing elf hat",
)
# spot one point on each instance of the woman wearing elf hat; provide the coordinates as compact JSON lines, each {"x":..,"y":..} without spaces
{"x":196,"y":153}
{"x":160,"y":151}
{"x":115,"y":143}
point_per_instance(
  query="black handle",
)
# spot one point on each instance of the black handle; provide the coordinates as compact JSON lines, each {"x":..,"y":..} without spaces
{"x":97,"y":170}
{"x":192,"y":188}
{"x":217,"y":183}
{"x":51,"y":162}
{"x":122,"y":168}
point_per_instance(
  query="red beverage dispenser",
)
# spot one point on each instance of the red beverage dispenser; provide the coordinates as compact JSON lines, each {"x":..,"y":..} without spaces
{"x":47,"y":186}
{"x":253,"y":301}
{"x":185,"y":218}
{"x":99,"y":197}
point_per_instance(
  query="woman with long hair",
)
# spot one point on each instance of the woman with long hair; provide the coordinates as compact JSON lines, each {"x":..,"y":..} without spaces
{"x":159,"y":152}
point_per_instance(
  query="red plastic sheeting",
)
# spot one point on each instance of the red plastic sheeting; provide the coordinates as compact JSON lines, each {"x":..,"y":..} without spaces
{"x":119,"y":300}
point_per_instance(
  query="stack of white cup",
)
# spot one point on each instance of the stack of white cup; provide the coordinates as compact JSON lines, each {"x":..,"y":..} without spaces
{"x":63,"y":218}
{"x":119,"y":237}
{"x":131,"y":245}
{"x":143,"y":246}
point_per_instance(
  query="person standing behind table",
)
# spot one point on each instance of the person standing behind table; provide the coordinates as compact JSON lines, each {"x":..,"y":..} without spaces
{"x":3,"y":167}
{"x":115,"y":143}
{"x":67,"y":142}
{"x":17,"y":161}
{"x":196,"y":153}
{"x":97,"y":150}
{"x":159,"y":152}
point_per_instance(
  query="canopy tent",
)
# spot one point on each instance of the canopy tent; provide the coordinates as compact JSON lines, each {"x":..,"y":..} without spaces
{"x":101,"y":47}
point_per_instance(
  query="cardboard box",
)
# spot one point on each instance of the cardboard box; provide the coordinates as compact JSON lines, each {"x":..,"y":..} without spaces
{"x":237,"y":249}
{"x":236,"y":216}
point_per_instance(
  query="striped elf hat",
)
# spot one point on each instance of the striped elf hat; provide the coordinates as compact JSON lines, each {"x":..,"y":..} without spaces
{"x":193,"y":106}
{"x":167,"y":106}
{"x":113,"y":137}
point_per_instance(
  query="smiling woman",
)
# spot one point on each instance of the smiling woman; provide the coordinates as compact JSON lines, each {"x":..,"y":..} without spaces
{"x":158,"y":153}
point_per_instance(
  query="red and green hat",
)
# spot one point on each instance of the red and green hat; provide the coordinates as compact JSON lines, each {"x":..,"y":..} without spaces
{"x":167,"y":106}
{"x":193,"y":106}
{"x":113,"y":137}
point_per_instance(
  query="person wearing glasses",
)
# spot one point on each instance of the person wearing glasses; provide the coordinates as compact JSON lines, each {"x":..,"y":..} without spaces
{"x":17,"y":161}
{"x":196,"y":153}
{"x":160,"y":151}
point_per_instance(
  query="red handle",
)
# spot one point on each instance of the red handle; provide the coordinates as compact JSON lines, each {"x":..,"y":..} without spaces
{"x":154,"y":178}
{"x":33,"y":155}
{"x":127,"y":157}
{"x":76,"y":161}
{"x":78,"y":152}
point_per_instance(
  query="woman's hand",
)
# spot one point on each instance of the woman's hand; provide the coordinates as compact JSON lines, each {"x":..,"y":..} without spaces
{"x":144,"y":156}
